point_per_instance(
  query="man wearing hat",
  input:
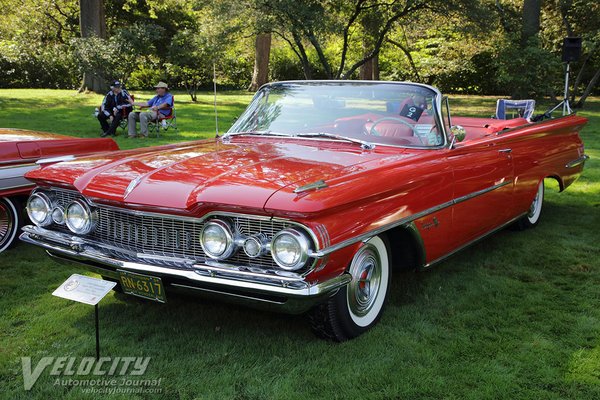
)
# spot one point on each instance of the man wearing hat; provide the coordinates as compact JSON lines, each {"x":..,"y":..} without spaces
{"x":160,"y":107}
{"x":114,"y":102}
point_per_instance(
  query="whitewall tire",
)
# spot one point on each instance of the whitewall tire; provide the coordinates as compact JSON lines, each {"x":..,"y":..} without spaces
{"x":10,"y":222}
{"x":532,"y":217}
{"x":359,"y":305}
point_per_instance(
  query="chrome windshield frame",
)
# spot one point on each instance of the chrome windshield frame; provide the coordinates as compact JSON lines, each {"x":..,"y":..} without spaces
{"x":436,"y":105}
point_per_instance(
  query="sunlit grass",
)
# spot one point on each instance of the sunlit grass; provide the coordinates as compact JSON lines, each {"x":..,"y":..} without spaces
{"x":514,"y":317}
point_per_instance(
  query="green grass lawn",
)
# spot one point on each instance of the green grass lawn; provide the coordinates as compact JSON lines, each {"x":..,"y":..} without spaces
{"x":516,"y":316}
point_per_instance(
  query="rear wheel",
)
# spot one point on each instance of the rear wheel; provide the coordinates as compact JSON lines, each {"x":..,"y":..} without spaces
{"x":535,"y":210}
{"x":359,"y":305}
{"x":10,"y":221}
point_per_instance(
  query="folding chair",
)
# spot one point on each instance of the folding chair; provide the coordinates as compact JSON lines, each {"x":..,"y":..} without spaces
{"x":165,"y":122}
{"x":509,"y":109}
{"x":124,"y":114}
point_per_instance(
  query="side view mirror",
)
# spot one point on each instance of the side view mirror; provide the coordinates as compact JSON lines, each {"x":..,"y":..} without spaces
{"x":458,"y":132}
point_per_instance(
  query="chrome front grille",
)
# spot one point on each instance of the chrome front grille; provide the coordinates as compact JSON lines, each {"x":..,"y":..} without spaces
{"x":158,"y":239}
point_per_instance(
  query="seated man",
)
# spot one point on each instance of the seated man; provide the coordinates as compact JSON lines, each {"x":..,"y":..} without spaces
{"x":160,"y":107}
{"x":114,"y":102}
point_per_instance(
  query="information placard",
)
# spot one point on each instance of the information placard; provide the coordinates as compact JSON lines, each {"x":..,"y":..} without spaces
{"x":84,"y":289}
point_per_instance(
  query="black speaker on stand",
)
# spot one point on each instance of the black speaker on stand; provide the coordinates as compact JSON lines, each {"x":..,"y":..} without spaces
{"x":571,"y":51}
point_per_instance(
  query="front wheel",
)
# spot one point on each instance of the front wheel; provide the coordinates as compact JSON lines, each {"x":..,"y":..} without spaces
{"x":358,"y":306}
{"x":535,"y":210}
{"x":10,"y":221}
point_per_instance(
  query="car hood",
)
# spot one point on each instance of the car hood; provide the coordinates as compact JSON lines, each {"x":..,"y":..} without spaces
{"x":241,"y":174}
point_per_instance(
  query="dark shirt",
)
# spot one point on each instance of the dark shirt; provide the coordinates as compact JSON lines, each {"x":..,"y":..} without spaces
{"x":111,"y":100}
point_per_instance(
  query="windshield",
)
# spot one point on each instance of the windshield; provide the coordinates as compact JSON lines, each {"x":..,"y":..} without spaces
{"x":382,"y":113}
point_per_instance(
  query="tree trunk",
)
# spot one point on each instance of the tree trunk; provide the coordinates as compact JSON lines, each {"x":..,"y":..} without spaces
{"x":365,"y":72}
{"x":375,"y":62}
{"x":531,"y":20}
{"x":92,"y":22}
{"x":261,"y":61}
{"x":588,"y":89}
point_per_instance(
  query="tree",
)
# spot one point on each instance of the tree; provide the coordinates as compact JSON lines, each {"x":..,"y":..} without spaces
{"x":531,"y":20}
{"x":92,"y":22}
{"x":261,"y":61}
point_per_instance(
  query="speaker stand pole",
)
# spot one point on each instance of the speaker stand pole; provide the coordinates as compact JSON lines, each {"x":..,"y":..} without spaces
{"x":565,"y":104}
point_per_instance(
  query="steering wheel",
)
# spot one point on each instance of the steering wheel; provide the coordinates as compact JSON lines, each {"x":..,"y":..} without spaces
{"x":374,"y":132}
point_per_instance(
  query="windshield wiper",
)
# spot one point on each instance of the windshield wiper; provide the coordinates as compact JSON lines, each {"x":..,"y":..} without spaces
{"x":363,"y":143}
{"x":257,"y":133}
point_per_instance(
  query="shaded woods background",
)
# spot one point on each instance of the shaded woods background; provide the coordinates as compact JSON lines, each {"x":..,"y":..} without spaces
{"x":502,"y":47}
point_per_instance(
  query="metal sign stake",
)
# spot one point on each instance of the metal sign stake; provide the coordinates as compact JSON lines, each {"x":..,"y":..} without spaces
{"x":97,"y":334}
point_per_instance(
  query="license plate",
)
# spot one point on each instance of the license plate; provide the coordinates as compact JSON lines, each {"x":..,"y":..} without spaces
{"x":148,"y":287}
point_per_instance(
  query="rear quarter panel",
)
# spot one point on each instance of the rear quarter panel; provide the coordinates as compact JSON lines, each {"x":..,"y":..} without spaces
{"x":543,"y":150}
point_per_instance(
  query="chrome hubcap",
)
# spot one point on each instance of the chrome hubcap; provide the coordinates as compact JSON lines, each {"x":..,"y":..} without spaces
{"x":366,"y":280}
{"x":6,"y":223}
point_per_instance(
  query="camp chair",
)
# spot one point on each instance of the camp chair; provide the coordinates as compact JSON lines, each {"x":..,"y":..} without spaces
{"x":165,"y":122}
{"x":124,"y":114}
{"x":508,"y":109}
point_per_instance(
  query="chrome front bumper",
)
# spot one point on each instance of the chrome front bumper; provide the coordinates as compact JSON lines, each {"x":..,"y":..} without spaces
{"x":291,"y":294}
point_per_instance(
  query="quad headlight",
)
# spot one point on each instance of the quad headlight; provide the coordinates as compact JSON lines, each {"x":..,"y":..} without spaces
{"x":39,"y":209}
{"x":79,"y":218}
{"x":256,"y":245}
{"x":216,"y":239}
{"x":290,"y":249}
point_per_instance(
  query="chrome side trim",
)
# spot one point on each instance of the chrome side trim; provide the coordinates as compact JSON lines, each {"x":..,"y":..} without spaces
{"x":20,"y":160}
{"x":51,"y":160}
{"x":477,"y":239}
{"x":304,"y":290}
{"x":31,"y":184}
{"x":12,"y":176}
{"x":406,"y":220}
{"x":17,"y":166}
{"x":577,"y":161}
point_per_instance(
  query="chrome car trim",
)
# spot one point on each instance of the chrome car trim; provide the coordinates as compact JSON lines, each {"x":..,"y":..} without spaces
{"x":8,"y":167}
{"x":133,"y":184}
{"x":246,"y":281}
{"x":437,"y":105}
{"x":11,"y":176}
{"x":405,"y":220}
{"x":469,"y":243}
{"x":78,"y":243}
{"x":577,"y":161}
{"x":51,"y":160}
{"x":17,"y":186}
{"x":18,"y":162}
{"x":320,"y":184}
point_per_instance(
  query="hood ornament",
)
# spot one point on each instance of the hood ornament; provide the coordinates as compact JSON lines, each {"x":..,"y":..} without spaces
{"x":132,"y":185}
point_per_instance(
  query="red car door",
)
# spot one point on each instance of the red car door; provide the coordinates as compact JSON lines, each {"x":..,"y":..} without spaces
{"x":483,"y":188}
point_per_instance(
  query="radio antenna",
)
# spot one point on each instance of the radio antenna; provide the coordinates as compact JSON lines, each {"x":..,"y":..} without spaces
{"x":215,"y":99}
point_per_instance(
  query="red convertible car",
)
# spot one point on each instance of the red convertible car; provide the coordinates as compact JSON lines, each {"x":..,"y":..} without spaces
{"x":307,"y":202}
{"x":22,"y":151}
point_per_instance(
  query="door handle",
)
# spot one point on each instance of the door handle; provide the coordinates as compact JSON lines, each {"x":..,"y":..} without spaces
{"x":505,"y":151}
